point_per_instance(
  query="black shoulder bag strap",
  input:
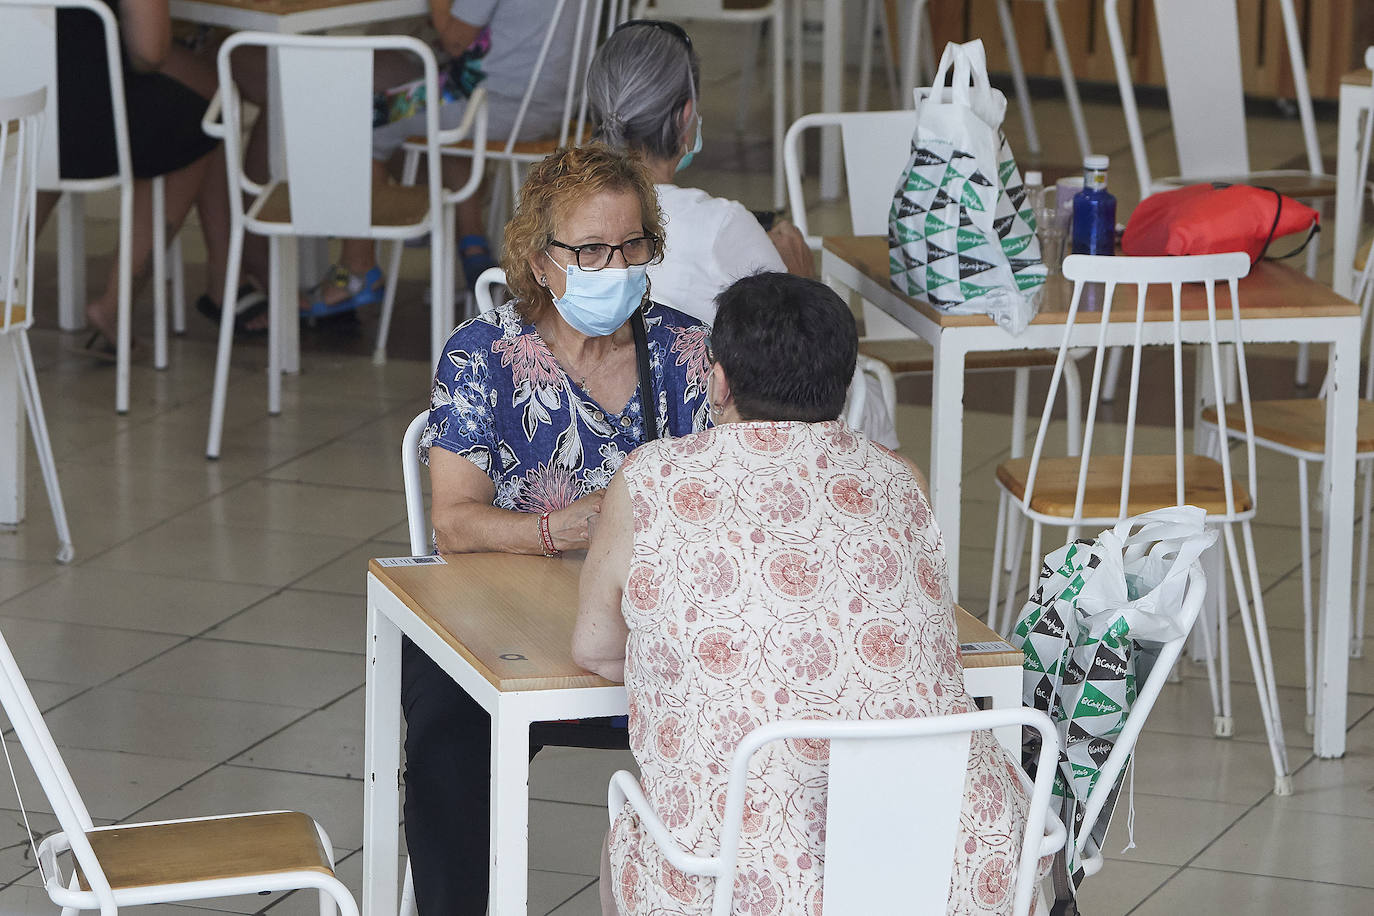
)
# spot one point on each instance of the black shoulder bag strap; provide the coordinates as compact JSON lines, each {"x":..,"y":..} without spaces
{"x":648,"y":398}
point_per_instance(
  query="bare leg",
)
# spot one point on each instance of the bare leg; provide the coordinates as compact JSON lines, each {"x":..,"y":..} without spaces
{"x":182,"y":187}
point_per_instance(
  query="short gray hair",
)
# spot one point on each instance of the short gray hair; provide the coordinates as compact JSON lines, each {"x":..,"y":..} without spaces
{"x":638,"y":84}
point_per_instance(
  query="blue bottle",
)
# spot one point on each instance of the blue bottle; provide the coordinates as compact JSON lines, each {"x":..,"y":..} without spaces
{"x":1094,"y":222}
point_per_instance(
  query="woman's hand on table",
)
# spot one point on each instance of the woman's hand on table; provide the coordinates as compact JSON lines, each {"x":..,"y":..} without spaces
{"x":572,"y":527}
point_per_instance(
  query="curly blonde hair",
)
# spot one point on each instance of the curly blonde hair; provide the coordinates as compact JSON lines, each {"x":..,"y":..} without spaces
{"x":558,"y":184}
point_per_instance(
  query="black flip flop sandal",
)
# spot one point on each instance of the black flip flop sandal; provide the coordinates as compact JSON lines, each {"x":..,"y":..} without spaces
{"x":251,"y":304}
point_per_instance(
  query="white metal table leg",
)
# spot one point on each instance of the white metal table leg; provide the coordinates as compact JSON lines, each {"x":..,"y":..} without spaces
{"x":71,"y":261}
{"x":510,"y":812}
{"x":12,"y":440}
{"x":1355,"y":101}
{"x":382,"y":757}
{"x":287,"y":289}
{"x":1333,"y":627}
{"x":832,"y":95}
{"x":947,"y":449}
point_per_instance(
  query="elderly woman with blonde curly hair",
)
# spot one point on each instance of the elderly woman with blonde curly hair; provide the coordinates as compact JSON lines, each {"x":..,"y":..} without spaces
{"x":535,"y":406}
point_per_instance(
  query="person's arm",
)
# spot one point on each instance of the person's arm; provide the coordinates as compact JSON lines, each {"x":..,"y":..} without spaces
{"x":792,"y":248}
{"x":465,"y":521}
{"x":599,"y":636}
{"x":454,"y":34}
{"x":146,"y":30}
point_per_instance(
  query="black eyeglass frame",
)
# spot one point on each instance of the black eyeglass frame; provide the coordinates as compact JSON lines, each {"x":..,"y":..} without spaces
{"x":656,"y":249}
{"x":663,"y":25}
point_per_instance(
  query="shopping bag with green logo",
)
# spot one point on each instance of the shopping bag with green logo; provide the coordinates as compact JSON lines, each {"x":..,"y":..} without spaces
{"x":961,"y":234}
{"x":1092,"y":630}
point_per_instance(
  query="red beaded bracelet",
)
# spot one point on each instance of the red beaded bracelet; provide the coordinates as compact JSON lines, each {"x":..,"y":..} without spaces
{"x":550,"y":549}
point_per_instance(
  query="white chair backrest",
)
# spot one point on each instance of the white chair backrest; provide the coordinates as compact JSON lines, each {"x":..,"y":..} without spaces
{"x":876,"y":147}
{"x":53,"y":776}
{"x":569,"y":19}
{"x":326,"y":91}
{"x":482,"y":292}
{"x":1199,"y":41}
{"x":411,"y":469}
{"x":1171,"y":272}
{"x":21,"y":132}
{"x":700,"y":9}
{"x":1091,"y":859}
{"x":895,"y":790}
{"x":28,"y":60}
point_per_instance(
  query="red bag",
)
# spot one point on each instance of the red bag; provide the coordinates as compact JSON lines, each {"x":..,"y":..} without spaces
{"x":1214,"y":218}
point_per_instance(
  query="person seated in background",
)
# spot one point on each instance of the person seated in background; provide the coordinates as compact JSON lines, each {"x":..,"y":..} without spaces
{"x":643,"y":93}
{"x":535,"y":405}
{"x":777,"y":566}
{"x":494,"y":43}
{"x":166,"y":92}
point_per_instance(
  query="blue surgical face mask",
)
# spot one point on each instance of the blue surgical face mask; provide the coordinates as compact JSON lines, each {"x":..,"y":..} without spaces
{"x":596,"y":302}
{"x":691,"y":153}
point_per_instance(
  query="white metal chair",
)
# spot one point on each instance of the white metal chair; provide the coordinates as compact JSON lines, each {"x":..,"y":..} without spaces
{"x":894,"y":792}
{"x":28,"y":58}
{"x":1200,"y":44}
{"x":876,"y":146}
{"x":916,"y":38}
{"x":128,"y":865}
{"x":1298,"y":428}
{"x":21,"y":135}
{"x":770,"y":11}
{"x":1117,"y":482}
{"x":326,"y":91}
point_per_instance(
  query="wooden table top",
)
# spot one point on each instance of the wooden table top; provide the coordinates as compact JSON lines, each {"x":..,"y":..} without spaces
{"x":1358,"y":78}
{"x":1272,"y":290}
{"x":511,"y":617}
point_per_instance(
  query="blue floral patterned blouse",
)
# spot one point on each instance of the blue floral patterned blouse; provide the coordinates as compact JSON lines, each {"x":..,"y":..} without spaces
{"x":502,"y":401}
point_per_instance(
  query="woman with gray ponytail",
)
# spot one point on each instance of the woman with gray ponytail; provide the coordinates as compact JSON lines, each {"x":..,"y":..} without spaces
{"x":642,"y":92}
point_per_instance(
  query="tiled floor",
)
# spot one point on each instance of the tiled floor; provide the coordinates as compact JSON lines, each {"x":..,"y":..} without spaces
{"x":204,"y":653}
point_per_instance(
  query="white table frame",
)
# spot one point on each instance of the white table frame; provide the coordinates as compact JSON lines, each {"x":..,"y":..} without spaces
{"x":1356,"y":103}
{"x":511,"y":712}
{"x":1342,"y":333}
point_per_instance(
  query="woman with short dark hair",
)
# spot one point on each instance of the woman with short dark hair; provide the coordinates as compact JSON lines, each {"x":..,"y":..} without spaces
{"x":778,"y":566}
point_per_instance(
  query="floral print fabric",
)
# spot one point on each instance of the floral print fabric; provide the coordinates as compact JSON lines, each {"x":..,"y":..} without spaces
{"x":786,"y":571}
{"x":502,"y":401}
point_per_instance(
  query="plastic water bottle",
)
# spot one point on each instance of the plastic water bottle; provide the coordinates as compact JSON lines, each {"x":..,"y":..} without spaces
{"x":1041,"y":202}
{"x":1094,"y":222}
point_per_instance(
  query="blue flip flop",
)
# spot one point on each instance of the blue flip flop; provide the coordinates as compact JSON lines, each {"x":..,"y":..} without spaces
{"x":364,"y":290}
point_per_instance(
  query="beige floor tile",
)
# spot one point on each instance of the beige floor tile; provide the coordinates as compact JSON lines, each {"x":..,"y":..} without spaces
{"x":300,"y":618}
{"x":181,"y":726}
{"x":347,"y":575}
{"x":1168,"y":831}
{"x":16,"y":853}
{"x":575,"y":774}
{"x":135,"y":601}
{"x":48,"y":694}
{"x":18,"y":576}
{"x":1200,"y":890}
{"x":567,"y":838}
{"x":1279,"y":840}
{"x":1182,"y":766}
{"x":113,"y":784}
{"x":586,"y":903}
{"x":70,"y":653}
{"x":328,"y":742}
{"x":337,"y":804}
{"x":1120,"y":887}
{"x":346,"y":464}
{"x":302,"y":678}
{"x":278,"y":505}
{"x":185,"y":547}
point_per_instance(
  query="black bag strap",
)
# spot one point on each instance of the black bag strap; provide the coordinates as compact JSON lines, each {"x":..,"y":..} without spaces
{"x":1269,"y":239}
{"x":648,"y":399}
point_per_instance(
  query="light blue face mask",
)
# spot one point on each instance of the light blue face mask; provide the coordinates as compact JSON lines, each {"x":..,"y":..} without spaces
{"x":597,"y":302}
{"x":691,"y":153}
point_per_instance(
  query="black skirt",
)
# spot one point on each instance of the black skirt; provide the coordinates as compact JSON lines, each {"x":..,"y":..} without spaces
{"x":164,"y":114}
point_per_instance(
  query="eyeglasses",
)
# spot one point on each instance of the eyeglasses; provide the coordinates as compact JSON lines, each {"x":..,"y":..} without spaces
{"x":597,"y":255}
{"x":663,"y":25}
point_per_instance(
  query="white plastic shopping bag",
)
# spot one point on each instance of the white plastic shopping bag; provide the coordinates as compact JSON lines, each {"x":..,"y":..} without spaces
{"x":960,"y":232}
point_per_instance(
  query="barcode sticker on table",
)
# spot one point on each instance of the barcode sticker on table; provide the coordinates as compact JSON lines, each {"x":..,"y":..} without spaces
{"x":973,"y":648}
{"x":430,"y":560}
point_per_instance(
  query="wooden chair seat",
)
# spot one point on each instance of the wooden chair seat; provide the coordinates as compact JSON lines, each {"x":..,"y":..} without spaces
{"x":392,"y":205}
{"x":540,"y":146}
{"x":1362,"y":257}
{"x":1298,"y":424}
{"x":1298,"y":185}
{"x":144,"y":855}
{"x":1152,"y":485}
{"x":17,"y":315}
{"x":903,"y":355}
